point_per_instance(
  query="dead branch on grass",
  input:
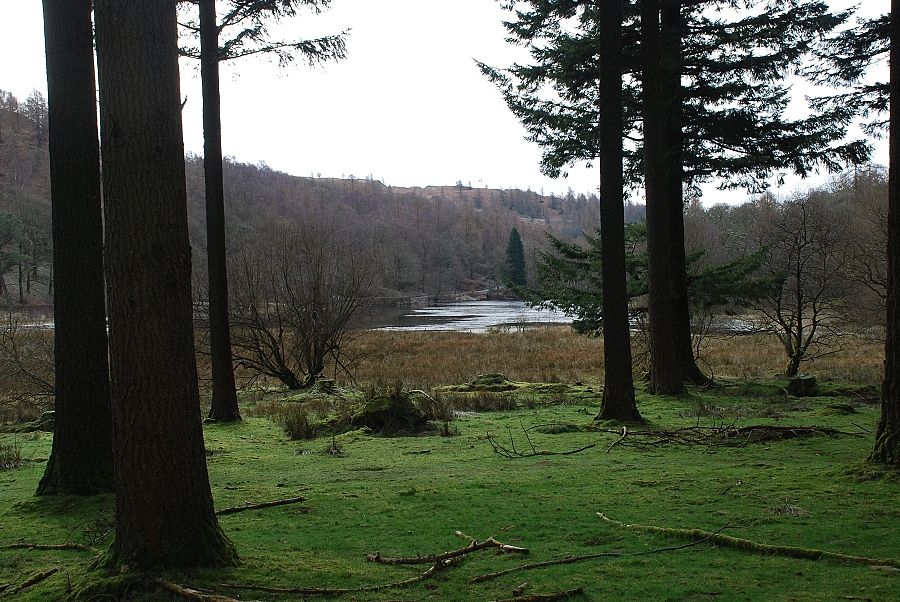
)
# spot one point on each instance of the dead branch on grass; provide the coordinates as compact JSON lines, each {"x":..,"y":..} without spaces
{"x":193,"y":594}
{"x":581,"y":558}
{"x":698,"y":535}
{"x":33,"y":580}
{"x":339,"y":591}
{"x":546,"y":597}
{"x":45,"y":546}
{"x":474,"y":546}
{"x":245,"y":507}
{"x":512,"y":452}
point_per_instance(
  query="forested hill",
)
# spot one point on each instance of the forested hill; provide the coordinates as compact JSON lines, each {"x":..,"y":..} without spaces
{"x":434,"y":240}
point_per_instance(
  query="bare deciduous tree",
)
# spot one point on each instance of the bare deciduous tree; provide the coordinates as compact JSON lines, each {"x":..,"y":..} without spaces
{"x":294,"y":294}
{"x":803,"y":246}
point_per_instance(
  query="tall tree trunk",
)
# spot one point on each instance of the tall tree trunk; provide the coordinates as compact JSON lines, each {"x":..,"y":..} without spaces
{"x":665,"y":376}
{"x":672,"y":95}
{"x":618,"y":385}
{"x":224,"y":406}
{"x":887,"y":436}
{"x":81,"y":460}
{"x":21,"y":284}
{"x":164,"y":507}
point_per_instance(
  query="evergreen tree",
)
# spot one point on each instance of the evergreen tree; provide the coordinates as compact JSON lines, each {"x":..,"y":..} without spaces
{"x":164,"y":506}
{"x":515,"y":260}
{"x":717,"y":109}
{"x":81,"y":460}
{"x":887,"y":436}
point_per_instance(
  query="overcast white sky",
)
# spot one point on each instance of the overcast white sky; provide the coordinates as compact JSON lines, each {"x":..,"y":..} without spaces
{"x":408,"y":106}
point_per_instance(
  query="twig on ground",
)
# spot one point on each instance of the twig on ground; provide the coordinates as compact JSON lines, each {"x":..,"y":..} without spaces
{"x":546,"y":597}
{"x":474,"y":546}
{"x":48,"y":546}
{"x":512,"y":452}
{"x":619,"y":440}
{"x":327,"y":591}
{"x":236,"y":509}
{"x":699,"y":535}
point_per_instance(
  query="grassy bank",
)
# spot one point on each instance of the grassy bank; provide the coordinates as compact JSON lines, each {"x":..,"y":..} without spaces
{"x":405,"y":496}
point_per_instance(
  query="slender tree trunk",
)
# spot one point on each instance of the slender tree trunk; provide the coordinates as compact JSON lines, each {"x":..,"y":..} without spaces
{"x":224,"y":406}
{"x":618,"y":389}
{"x":164,"y":507}
{"x":887,"y":436}
{"x":665,"y":376}
{"x":21,"y":285}
{"x":81,"y":460}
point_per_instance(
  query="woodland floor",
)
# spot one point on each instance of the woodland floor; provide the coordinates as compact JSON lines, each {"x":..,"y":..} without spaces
{"x":406,"y":496}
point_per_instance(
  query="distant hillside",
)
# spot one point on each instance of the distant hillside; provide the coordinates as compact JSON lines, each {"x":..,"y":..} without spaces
{"x":434,"y":240}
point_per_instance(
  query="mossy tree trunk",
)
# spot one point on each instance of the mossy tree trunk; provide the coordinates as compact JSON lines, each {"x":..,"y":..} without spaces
{"x":224,"y":405}
{"x":81,"y":460}
{"x":164,"y":507}
{"x":618,"y":391}
{"x":887,"y":436}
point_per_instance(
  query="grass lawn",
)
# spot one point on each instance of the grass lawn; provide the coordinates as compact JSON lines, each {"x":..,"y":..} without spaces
{"x":405,"y":496}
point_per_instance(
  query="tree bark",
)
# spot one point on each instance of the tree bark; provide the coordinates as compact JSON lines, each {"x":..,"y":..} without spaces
{"x":887,"y":435}
{"x":81,"y":460}
{"x":618,"y":401}
{"x":224,"y":406}
{"x":665,"y":377}
{"x":164,"y":507}
{"x":671,"y":31}
{"x":671,"y":352}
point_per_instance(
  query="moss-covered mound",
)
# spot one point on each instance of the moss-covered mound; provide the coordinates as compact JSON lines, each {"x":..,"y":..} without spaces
{"x":390,"y":414}
{"x":484,"y":383}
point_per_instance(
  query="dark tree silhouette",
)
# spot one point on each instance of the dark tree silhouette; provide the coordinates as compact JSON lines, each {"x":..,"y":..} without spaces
{"x":618,"y":381}
{"x":81,"y":460}
{"x":515,"y":259}
{"x":224,"y":405}
{"x":887,"y":436}
{"x":164,"y":507}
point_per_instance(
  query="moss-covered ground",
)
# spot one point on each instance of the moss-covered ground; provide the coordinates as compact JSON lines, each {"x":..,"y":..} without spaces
{"x":403,"y":496}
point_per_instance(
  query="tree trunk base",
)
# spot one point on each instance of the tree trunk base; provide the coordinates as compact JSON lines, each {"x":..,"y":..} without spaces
{"x":887,"y":448}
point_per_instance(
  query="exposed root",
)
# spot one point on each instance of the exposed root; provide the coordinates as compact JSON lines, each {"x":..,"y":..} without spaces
{"x":698,"y":535}
{"x":546,"y":597}
{"x":474,"y":546}
{"x":236,"y":509}
{"x":328,"y":591}
{"x":47,"y":546}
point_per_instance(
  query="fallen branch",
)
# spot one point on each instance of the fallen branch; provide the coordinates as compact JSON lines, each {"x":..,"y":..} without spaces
{"x":512,"y":452}
{"x":193,"y":594}
{"x":580,"y":558}
{"x":619,"y":440}
{"x":698,"y":535}
{"x":33,"y":580}
{"x":546,"y":597}
{"x":328,"y":591}
{"x":474,"y":546}
{"x":47,"y":546}
{"x":245,"y":507}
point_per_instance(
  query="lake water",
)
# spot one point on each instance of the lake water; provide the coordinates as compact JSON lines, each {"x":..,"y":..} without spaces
{"x":469,"y":316}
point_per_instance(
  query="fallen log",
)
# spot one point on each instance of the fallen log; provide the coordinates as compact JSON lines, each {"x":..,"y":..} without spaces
{"x":260,"y":506}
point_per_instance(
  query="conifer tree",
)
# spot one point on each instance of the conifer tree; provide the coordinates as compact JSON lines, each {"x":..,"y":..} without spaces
{"x":515,"y":260}
{"x":721,"y":96}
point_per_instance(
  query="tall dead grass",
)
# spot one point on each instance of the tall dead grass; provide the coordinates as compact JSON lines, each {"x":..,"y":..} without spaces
{"x":426,"y":359}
